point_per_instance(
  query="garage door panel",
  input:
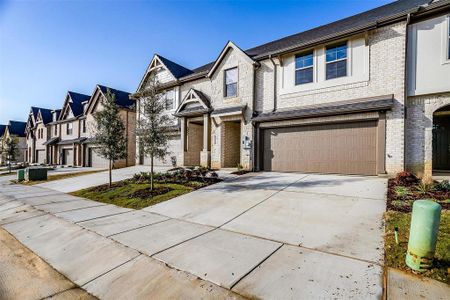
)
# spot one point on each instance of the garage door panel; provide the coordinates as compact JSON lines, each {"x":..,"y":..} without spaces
{"x":40,"y":156}
{"x":348,"y":148}
{"x":174,"y":147}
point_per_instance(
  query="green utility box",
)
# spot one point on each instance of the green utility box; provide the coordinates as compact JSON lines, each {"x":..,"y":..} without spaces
{"x":21,"y":175}
{"x":425,"y":218}
{"x":35,"y":173}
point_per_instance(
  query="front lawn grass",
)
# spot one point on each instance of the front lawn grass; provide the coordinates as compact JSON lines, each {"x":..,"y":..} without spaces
{"x":395,"y":254}
{"x":134,"y":195}
{"x":57,"y":177}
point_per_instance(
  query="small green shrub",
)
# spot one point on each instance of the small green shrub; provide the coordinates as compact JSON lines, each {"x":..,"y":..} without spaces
{"x":424,"y":188}
{"x":402,"y":191}
{"x":443,"y":186}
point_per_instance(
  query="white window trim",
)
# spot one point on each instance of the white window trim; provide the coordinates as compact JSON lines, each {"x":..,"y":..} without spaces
{"x":304,"y":68}
{"x":225,"y":83}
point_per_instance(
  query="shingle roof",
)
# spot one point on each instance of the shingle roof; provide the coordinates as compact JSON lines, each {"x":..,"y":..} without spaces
{"x":2,"y":130}
{"x":77,"y":99}
{"x":122,"y":98}
{"x":174,"y":68}
{"x":332,"y":108}
{"x":35,"y":111}
{"x":17,"y":128}
{"x":302,"y":39}
{"x":46,"y":115}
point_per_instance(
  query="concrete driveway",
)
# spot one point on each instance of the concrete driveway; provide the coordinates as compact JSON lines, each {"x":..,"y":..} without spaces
{"x":263,"y":235}
{"x":336,"y":221}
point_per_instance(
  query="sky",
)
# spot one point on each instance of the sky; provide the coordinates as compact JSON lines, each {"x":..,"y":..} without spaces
{"x":48,"y":47}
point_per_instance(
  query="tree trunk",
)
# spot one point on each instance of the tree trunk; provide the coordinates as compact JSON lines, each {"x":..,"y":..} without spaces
{"x":110,"y":173}
{"x":151,"y":172}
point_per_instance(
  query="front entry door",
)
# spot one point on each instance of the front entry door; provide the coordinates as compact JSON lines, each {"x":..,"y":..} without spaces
{"x":441,"y":143}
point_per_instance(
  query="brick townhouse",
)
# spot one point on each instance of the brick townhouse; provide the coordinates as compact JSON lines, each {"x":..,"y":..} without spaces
{"x":356,"y":96}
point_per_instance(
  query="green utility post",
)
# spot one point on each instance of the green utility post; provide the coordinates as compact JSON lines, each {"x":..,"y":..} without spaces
{"x":425,"y":219}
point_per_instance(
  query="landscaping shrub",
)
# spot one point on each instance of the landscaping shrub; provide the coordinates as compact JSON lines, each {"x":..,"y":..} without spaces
{"x":179,"y":175}
{"x":406,"y":179}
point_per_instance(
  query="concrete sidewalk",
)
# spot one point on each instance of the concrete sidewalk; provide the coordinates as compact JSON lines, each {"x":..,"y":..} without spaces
{"x":86,"y":181}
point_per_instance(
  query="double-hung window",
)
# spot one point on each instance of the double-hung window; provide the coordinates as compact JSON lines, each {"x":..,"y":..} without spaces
{"x":304,"y":68}
{"x":231,"y":82}
{"x":69,"y":128}
{"x":336,"y":61}
{"x":169,"y":100}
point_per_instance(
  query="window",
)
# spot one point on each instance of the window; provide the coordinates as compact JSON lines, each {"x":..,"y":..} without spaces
{"x":169,"y":100}
{"x":231,"y":81}
{"x":83,"y":125}
{"x":336,"y":61}
{"x":304,"y":68}
{"x":56,"y":130}
{"x":69,"y":128}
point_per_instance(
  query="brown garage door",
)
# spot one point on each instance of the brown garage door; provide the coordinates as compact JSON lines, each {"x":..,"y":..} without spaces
{"x":347,"y":148}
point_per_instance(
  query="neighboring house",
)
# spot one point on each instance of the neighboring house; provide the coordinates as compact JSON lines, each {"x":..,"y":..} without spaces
{"x":330,"y":100}
{"x":2,"y":144}
{"x":428,"y":104}
{"x":15,"y":130}
{"x":127,"y":112}
{"x":36,"y":134}
{"x":68,"y":149}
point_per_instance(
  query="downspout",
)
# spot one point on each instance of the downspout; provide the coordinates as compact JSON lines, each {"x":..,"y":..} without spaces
{"x":406,"y":86}
{"x":254,"y":113}
{"x":274,"y":83}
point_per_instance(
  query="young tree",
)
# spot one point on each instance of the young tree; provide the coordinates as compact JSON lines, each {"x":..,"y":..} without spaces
{"x":152,"y":123}
{"x":10,"y":150}
{"x":109,"y":133}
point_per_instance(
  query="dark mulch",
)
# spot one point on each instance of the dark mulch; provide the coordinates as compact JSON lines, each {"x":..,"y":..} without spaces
{"x":148,"y":192}
{"x":105,"y":187}
{"x":403,"y":203}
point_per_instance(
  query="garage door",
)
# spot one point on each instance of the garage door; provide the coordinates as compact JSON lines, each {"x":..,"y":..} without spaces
{"x":347,"y":148}
{"x":40,"y":155}
{"x":96,"y":160}
{"x":174,"y":148}
{"x":68,"y":157}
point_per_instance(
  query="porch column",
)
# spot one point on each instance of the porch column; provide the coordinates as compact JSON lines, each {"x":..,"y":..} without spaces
{"x":183,"y":141}
{"x":205,"y":156}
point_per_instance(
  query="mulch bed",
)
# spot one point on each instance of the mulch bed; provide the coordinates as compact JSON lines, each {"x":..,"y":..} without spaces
{"x":404,"y":203}
{"x":242,"y":172}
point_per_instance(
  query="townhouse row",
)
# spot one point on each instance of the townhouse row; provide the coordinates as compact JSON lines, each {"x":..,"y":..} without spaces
{"x":66,"y":136}
{"x":369,"y":94}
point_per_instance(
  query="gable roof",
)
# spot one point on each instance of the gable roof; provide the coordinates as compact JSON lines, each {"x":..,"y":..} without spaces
{"x":17,"y":128}
{"x":395,"y":11}
{"x":174,"y":68}
{"x":2,"y":129}
{"x":77,"y":102}
{"x":228,"y":46}
{"x":46,"y":115}
{"x":122,"y":98}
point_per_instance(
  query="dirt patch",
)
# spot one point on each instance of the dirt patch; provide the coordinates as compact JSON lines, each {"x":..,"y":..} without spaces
{"x":149,"y":193}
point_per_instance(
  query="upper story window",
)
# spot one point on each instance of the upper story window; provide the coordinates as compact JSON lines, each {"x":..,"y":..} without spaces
{"x":231,"y":82}
{"x":336,"y":61}
{"x":56,"y":129}
{"x":83,"y":125}
{"x":169,"y":97}
{"x":304,"y":68}
{"x":69,"y":128}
